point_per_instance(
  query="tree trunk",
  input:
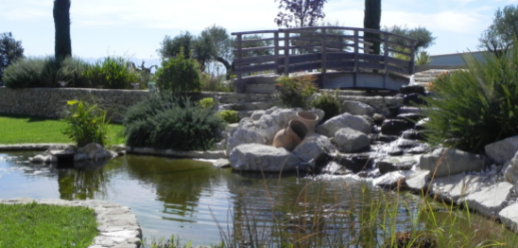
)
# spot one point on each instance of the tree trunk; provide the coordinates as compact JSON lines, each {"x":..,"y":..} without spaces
{"x":63,"y":44}
{"x":372,"y":20}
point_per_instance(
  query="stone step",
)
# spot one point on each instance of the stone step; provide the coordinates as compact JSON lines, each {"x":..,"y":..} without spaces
{"x":260,"y":88}
{"x":247,"y":106}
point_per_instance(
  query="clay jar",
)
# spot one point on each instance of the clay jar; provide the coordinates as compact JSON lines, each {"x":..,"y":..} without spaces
{"x":291,"y":136}
{"x":310,"y":119}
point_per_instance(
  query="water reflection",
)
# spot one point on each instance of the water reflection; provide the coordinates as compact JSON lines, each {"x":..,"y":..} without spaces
{"x":85,"y":181}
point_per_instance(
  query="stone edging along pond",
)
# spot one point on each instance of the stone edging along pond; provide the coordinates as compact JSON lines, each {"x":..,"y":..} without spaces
{"x":117,"y":226}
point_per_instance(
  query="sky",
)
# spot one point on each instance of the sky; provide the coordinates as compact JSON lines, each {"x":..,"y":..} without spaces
{"x":135,"y":28}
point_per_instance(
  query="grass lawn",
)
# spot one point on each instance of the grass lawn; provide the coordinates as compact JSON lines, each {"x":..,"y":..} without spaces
{"x":34,"y":225}
{"x":25,"y":129}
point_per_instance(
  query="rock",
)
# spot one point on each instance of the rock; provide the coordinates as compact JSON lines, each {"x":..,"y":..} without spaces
{"x":221,"y":163}
{"x":412,"y":98}
{"x":389,"y":164}
{"x":449,"y":161}
{"x":311,"y":148}
{"x":412,"y":134}
{"x":257,"y":157}
{"x":455,"y":188}
{"x":355,"y":163}
{"x":357,"y":108}
{"x":96,"y":152}
{"x":489,"y":201}
{"x":503,"y":150}
{"x":406,"y":110}
{"x":417,"y":180}
{"x":395,"y":126}
{"x":511,"y":170}
{"x":509,"y":216}
{"x":256,"y":115}
{"x":408,"y":89}
{"x":391,"y":180}
{"x":41,"y":159}
{"x":378,"y":119}
{"x":412,"y":117}
{"x":244,"y":136}
{"x":332,"y":125}
{"x":420,"y":125}
{"x":349,"y":140}
{"x":334,"y":168}
{"x":384,"y":138}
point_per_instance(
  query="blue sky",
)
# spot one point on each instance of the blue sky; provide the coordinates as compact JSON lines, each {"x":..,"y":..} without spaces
{"x":135,"y":28}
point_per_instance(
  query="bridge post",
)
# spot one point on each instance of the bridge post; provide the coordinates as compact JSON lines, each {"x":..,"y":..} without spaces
{"x":324,"y":59}
{"x":286,"y":52}
{"x":239,"y":86}
{"x":276,"y":44}
{"x":412,"y":58}
{"x":385,"y":59}
{"x":356,"y":52}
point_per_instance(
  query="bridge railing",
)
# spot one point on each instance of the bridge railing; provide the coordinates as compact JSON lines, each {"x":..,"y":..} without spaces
{"x":347,"y":49}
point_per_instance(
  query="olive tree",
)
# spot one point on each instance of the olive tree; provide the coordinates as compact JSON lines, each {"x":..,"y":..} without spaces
{"x":498,"y":37}
{"x":422,"y":35}
{"x":299,"y":13}
{"x":10,"y":50}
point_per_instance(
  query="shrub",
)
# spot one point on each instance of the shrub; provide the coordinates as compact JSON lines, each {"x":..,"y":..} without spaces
{"x":216,"y":83}
{"x":24,"y":73}
{"x":208,"y":102}
{"x":111,"y":73}
{"x":295,"y":91}
{"x":86,"y":123}
{"x":229,"y":116}
{"x":477,"y":106}
{"x":171,"y":122}
{"x":329,"y":103}
{"x":179,"y":74}
{"x":10,"y":51}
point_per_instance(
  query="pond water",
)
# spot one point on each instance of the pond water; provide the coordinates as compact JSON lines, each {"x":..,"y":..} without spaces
{"x":191,"y":198}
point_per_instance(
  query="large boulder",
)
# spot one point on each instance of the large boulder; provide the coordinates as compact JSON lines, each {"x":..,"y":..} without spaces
{"x":261,"y":129}
{"x":455,"y":188}
{"x":449,"y":161}
{"x":311,"y":148}
{"x":331,"y":126}
{"x":95,"y":152}
{"x":257,"y":157}
{"x":357,"y":108}
{"x":503,"y":150}
{"x":349,"y":140}
{"x":489,"y":201}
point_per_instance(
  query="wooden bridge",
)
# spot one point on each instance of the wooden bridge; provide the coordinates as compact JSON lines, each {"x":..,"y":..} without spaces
{"x":341,"y":57}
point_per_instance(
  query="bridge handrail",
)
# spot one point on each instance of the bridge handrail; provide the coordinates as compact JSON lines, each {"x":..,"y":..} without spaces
{"x":322,"y":43}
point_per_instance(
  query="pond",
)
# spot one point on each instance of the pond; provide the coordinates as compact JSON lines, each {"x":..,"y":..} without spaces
{"x":195,"y":201}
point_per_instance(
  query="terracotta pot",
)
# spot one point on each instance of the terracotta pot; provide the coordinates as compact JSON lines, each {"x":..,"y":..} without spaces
{"x":310,"y":119}
{"x":291,"y":136}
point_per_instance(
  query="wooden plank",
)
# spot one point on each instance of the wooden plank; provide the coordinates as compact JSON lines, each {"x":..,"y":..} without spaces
{"x":257,"y":40}
{"x":398,"y":62}
{"x":400,"y":52}
{"x":398,"y":70}
{"x":303,"y":66}
{"x":256,"y":68}
{"x":255,"y":60}
{"x":255,"y":48}
{"x":371,"y":65}
{"x":303,"y":58}
{"x":286,"y":53}
{"x":340,"y":64}
{"x":340,"y":56}
{"x":324,"y":58}
{"x":254,"y":32}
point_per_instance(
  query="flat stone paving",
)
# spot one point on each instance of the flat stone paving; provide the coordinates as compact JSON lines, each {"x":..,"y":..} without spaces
{"x":117,"y":226}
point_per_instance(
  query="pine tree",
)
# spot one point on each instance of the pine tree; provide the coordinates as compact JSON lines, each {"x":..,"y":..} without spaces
{"x":63,"y":44}
{"x":372,"y":20}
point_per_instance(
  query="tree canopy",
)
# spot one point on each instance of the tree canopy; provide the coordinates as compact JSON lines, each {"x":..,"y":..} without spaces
{"x":498,"y":37}
{"x":10,"y":51}
{"x":299,"y":13}
{"x":422,"y":35}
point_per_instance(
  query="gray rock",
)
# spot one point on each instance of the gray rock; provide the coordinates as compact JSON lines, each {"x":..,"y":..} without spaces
{"x":256,"y":115}
{"x":96,"y":152}
{"x":331,"y":126}
{"x":392,"y":179}
{"x":449,"y":161}
{"x":221,"y":163}
{"x":503,"y":150}
{"x":357,"y":108}
{"x":256,"y":157}
{"x":312,"y":147}
{"x":417,"y":180}
{"x":509,"y":217}
{"x":489,"y":201}
{"x":455,"y":188}
{"x":349,"y":140}
{"x":244,"y":136}
{"x":511,"y":170}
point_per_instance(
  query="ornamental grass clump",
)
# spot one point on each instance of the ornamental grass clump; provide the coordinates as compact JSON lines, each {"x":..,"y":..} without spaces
{"x":476,"y":106}
{"x":294,"y":92}
{"x":329,"y":103}
{"x":111,"y":73}
{"x":86,"y":123}
{"x":171,"y":122}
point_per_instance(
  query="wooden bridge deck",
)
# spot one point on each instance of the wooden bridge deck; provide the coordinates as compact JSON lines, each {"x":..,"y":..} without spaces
{"x":342,"y":55}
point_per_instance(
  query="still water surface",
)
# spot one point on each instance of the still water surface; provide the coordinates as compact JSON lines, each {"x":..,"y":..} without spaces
{"x":186,"y":197}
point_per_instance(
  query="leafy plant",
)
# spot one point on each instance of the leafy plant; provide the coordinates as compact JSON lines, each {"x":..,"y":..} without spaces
{"x":171,"y":122}
{"x":477,"y":106}
{"x":423,"y":58}
{"x":293,"y":92}
{"x":229,"y":116}
{"x":329,"y":103}
{"x":441,"y":79}
{"x":179,"y":74}
{"x":111,"y":73}
{"x":86,"y":123}
{"x":208,"y":102}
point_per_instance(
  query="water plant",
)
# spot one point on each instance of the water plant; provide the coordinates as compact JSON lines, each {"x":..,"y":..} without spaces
{"x":86,"y":123}
{"x":329,"y":103}
{"x":294,"y":92}
{"x":475,"y":106}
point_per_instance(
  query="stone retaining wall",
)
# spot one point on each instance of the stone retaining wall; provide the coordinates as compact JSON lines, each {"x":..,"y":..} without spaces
{"x":51,"y":102}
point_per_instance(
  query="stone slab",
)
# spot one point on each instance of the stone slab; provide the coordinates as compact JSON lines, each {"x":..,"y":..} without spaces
{"x":455,"y":188}
{"x":489,"y":200}
{"x":509,"y":216}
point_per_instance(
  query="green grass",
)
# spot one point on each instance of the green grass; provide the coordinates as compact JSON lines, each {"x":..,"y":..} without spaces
{"x":26,"y":129}
{"x":34,"y":225}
